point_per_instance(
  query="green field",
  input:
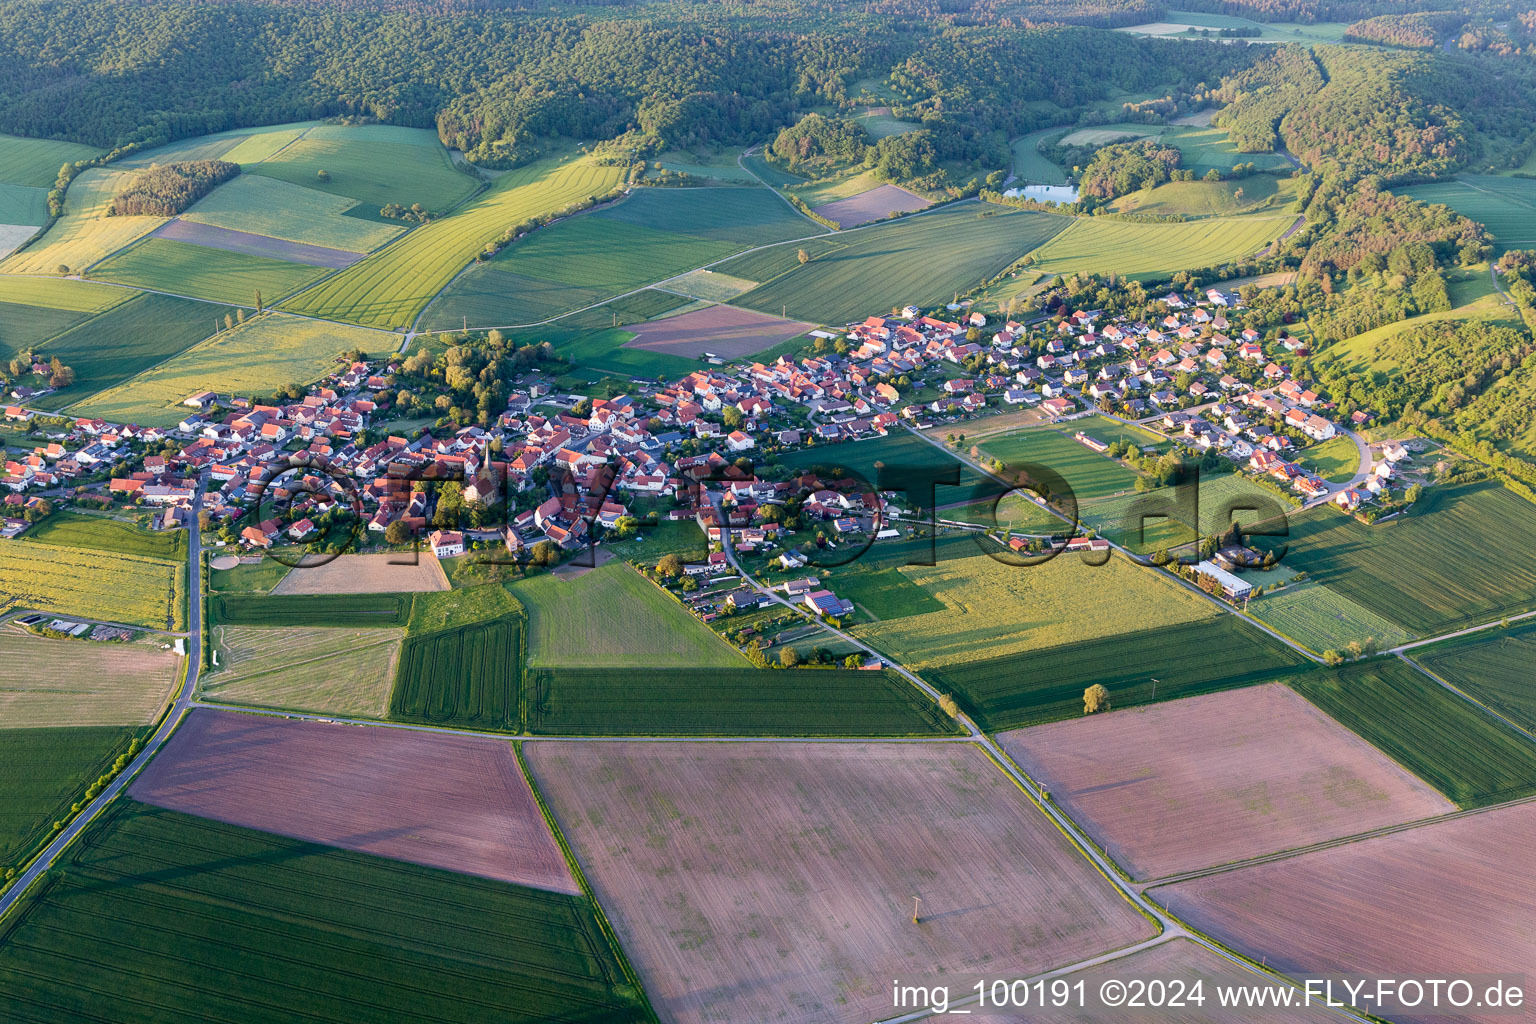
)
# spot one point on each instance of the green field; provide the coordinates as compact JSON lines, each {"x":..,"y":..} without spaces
{"x":74,"y":296}
{"x":885,"y":593}
{"x":23,"y":326}
{"x":1173,"y":24}
{"x":143,"y":332}
{"x":769,"y":173}
{"x":1335,"y":460}
{"x":254,"y":578}
{"x":23,"y":204}
{"x":44,"y":771}
{"x":709,"y":166}
{"x":613,"y":616}
{"x":1505,"y":206}
{"x":203,"y":273}
{"x":1218,"y":652}
{"x":1207,"y":148}
{"x":390,"y":288}
{"x":897,"y":451}
{"x":1204,"y":198}
{"x":95,"y":533}
{"x":1161,"y":518}
{"x":1031,"y":165}
{"x":1453,"y":745}
{"x":1447,"y":564}
{"x":267,"y":206}
{"x":85,"y":234}
{"x":741,"y":701}
{"x":36,"y":162}
{"x":238,"y":145}
{"x":668,"y":537}
{"x":1493,"y":666}
{"x":468,"y":676}
{"x":1323,"y":619}
{"x":651,"y":235}
{"x":373,"y":164}
{"x":310,"y":609}
{"x":1090,"y":474}
{"x":1474,"y":298}
{"x":1149,"y":252}
{"x":284,"y":930}
{"x":921,"y":259}
{"x":255,"y":358}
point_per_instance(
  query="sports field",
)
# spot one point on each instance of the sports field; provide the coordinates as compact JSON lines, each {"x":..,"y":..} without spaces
{"x":285,"y":929}
{"x":36,"y":162}
{"x":255,"y":358}
{"x":923,"y":260}
{"x":42,"y":773}
{"x":468,"y":676}
{"x":1149,"y":252}
{"x":650,"y":235}
{"x":332,"y":670}
{"x":367,"y":574}
{"x":454,"y":802}
{"x":729,"y":701}
{"x":774,"y":883}
{"x":1505,"y":206}
{"x":1006,"y":610}
{"x":268,"y":206}
{"x":1462,"y":751}
{"x":144,"y":331}
{"x":1446,"y":564}
{"x":1493,"y":666}
{"x":205,"y":273}
{"x":52,"y":683}
{"x":613,"y":616}
{"x":1137,"y":666}
{"x":390,"y":288}
{"x":97,"y":585}
{"x":84,"y":234}
{"x":1324,"y":619}
{"x":1211,"y":780}
{"x":1323,"y":913}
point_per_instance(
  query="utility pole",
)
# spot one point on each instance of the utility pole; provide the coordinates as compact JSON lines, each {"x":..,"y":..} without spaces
{"x":915,"y":901}
{"x":1154,"y":688}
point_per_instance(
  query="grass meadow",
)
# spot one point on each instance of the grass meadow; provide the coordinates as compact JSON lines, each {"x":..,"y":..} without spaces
{"x":268,"y":206}
{"x":98,"y":533}
{"x":201,"y":272}
{"x":372,"y":164}
{"x":84,"y":235}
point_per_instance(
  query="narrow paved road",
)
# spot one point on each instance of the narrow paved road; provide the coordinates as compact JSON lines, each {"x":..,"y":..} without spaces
{"x":173,"y":717}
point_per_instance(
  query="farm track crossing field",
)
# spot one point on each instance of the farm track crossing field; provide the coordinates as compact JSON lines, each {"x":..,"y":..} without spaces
{"x":613,"y":616}
{"x":256,"y":357}
{"x":766,"y":883}
{"x":96,"y":585}
{"x":75,"y":683}
{"x":42,"y":772}
{"x":1445,"y":740}
{"x":36,"y":162}
{"x":645,"y":237}
{"x":286,"y":930}
{"x":238,"y":145}
{"x":740,"y":701}
{"x":365,"y":610}
{"x":1447,"y":564}
{"x":1493,"y":666}
{"x":1323,"y":619}
{"x":203,"y":273}
{"x":391,"y":287}
{"x":366,"y":574}
{"x":1218,"y":652}
{"x":332,"y":670}
{"x":923,"y":259}
{"x":1149,"y":252}
{"x":267,"y":206}
{"x":1010,"y":610}
{"x":144,"y":331}
{"x":1466,"y":908}
{"x":1196,"y":783}
{"x":85,"y":234}
{"x":469,"y":676}
{"x":454,"y":802}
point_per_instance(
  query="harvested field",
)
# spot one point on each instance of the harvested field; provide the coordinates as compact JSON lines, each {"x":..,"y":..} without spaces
{"x":82,"y":682}
{"x":453,"y":802}
{"x":1447,"y":900}
{"x":335,"y":671}
{"x":876,"y":204}
{"x":1210,"y":780}
{"x":366,"y":574}
{"x":287,"y":931}
{"x":761,"y":883}
{"x":1176,"y":960}
{"x":724,"y":330}
{"x":248,"y":244}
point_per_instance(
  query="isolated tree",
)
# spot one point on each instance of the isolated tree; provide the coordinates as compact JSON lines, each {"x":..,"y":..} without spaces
{"x":949,"y":706}
{"x":1095,"y":699}
{"x":258,"y":302}
{"x":803,"y":256}
{"x":323,"y":175}
{"x":789,"y":657}
{"x":62,"y":268}
{"x":1332,"y":657}
{"x":670,"y":566}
